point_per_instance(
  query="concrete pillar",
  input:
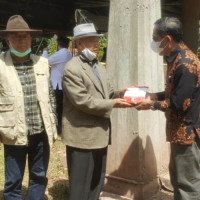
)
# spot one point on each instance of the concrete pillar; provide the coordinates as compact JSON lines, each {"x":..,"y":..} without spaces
{"x":138,"y":153}
{"x":191,"y":14}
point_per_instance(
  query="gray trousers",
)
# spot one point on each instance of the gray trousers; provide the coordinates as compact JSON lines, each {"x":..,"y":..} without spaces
{"x":184,"y":170}
{"x":86,"y":170}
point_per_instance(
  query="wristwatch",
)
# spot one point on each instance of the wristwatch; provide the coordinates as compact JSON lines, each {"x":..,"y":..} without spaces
{"x":152,"y":107}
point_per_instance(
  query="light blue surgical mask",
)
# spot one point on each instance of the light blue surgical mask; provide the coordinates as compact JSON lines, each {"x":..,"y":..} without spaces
{"x":89,"y":54}
{"x":19,"y":54}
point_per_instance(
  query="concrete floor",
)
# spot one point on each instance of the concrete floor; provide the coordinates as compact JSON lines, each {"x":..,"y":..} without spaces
{"x":166,"y":193}
{"x":161,"y":195}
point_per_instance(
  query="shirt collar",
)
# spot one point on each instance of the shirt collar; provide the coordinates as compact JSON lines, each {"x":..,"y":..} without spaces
{"x":84,"y":59}
{"x":169,"y":59}
{"x":27,"y":64}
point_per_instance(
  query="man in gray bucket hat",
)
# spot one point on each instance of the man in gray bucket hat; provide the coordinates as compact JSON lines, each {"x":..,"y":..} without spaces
{"x":27,"y":112}
{"x":87,"y":104}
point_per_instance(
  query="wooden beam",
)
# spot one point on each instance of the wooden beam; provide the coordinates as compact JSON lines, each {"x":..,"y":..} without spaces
{"x":190,"y":20}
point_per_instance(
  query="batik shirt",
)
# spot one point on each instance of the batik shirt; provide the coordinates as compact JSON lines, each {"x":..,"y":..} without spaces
{"x":181,"y":99}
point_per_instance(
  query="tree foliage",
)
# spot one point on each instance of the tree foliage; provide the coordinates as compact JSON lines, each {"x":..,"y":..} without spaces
{"x":38,"y":44}
{"x":102,"y":46}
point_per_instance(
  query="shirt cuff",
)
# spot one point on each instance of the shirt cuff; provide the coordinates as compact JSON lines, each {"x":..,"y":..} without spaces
{"x":156,"y":105}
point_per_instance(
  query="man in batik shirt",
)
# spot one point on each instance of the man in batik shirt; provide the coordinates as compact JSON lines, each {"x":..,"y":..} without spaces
{"x":181,"y":103}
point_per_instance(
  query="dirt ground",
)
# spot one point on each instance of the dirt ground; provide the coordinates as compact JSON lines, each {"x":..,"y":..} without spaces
{"x":161,"y":195}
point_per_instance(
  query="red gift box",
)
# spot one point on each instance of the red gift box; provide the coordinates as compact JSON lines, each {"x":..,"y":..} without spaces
{"x":135,"y":93}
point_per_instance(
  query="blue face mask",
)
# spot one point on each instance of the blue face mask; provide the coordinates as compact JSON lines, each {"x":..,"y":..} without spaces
{"x":19,"y":54}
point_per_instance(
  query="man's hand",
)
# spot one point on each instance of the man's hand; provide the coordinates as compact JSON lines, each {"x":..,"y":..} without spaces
{"x":151,"y":96}
{"x":121,"y":93}
{"x":45,"y":49}
{"x":144,"y":104}
{"x":121,"y":103}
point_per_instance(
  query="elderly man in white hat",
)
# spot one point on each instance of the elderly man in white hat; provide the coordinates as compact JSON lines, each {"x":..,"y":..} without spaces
{"x":27,"y":112}
{"x":88,"y":102}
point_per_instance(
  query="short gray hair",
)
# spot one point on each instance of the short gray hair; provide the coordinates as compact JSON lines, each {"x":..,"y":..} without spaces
{"x":170,"y":26}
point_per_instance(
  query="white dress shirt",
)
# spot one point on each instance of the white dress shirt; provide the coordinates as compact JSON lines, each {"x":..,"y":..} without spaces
{"x":57,"y":62}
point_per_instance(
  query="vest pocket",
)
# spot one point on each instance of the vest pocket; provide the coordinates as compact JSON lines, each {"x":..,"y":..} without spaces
{"x":42,"y":80}
{"x":7,"y":118}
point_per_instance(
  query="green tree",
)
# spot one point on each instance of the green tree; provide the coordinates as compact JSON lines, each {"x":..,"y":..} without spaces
{"x":102,"y":46}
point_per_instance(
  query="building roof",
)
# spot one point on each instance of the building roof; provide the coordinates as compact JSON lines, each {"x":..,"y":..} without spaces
{"x":59,"y":15}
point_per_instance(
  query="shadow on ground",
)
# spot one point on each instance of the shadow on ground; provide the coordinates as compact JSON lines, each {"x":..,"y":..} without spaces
{"x":162,"y":195}
{"x":59,"y":190}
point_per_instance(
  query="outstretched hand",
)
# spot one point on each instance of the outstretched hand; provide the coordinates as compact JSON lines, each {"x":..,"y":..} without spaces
{"x":151,"y":96}
{"x":122,"y":92}
{"x":121,"y":103}
{"x":45,"y":49}
{"x":144,"y":104}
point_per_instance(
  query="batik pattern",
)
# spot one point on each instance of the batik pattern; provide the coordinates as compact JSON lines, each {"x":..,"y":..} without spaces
{"x":182,"y":97}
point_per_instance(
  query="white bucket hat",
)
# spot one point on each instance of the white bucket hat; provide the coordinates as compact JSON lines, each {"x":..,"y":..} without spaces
{"x":85,"y":30}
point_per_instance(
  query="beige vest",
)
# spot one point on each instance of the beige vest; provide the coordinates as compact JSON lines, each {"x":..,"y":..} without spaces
{"x":12,"y":115}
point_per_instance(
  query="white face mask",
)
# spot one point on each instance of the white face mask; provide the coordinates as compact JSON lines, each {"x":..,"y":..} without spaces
{"x":89,"y":54}
{"x":155,"y":46}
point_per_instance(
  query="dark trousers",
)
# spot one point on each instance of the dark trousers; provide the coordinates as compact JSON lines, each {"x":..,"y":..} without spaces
{"x":59,"y":108}
{"x":86,"y":170}
{"x":185,"y":170}
{"x":15,"y":161}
